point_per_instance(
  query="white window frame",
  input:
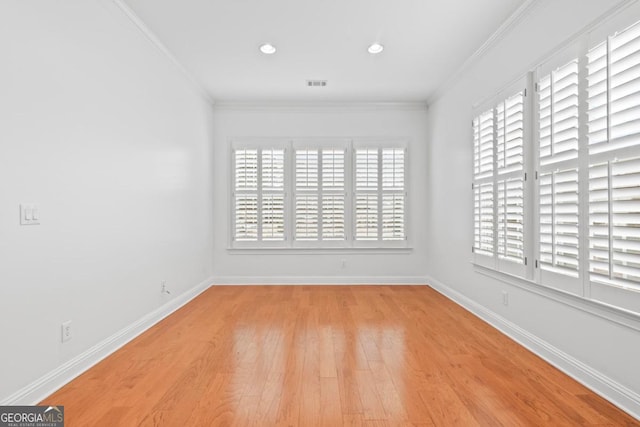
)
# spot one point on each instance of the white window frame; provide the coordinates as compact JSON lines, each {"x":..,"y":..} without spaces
{"x":380,"y":145}
{"x":617,"y":295}
{"x":258,"y":145}
{"x":493,"y":261}
{"x":320,"y":144}
{"x":290,"y":145}
{"x":548,"y":277}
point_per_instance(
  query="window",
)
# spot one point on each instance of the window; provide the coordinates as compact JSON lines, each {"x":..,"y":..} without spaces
{"x":343,"y":194}
{"x":583,"y":204}
{"x":613,"y":120}
{"x":498,"y":183}
{"x":379,"y":194}
{"x":483,"y":184}
{"x":259,"y":195}
{"x":320,"y":194}
{"x":558,"y":180}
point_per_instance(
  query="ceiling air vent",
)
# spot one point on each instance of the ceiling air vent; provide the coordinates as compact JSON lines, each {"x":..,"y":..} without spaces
{"x":316,"y":83}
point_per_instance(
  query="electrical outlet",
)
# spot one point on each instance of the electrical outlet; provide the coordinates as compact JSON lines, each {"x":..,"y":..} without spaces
{"x":505,"y":298}
{"x":66,"y":331}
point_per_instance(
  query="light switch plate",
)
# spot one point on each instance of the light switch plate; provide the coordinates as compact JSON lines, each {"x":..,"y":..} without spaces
{"x":29,"y":214}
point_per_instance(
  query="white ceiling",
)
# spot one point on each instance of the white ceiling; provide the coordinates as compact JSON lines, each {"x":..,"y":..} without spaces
{"x":425,"y":42}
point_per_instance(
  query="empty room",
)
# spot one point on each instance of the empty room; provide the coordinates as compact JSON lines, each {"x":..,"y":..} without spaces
{"x":333,"y":213}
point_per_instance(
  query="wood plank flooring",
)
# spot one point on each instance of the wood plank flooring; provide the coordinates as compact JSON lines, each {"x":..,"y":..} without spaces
{"x":327,"y":356}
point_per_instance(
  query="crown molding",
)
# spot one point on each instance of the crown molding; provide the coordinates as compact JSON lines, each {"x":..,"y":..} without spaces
{"x":506,"y":27}
{"x":155,"y":41}
{"x":522,"y":11}
{"x":318,"y":107}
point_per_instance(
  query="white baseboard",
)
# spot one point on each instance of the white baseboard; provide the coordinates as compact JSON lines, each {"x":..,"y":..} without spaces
{"x":319,"y":280}
{"x":52,"y":381}
{"x":616,"y":393}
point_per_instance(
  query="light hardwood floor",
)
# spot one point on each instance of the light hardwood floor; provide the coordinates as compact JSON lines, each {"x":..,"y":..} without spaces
{"x":330,"y":356}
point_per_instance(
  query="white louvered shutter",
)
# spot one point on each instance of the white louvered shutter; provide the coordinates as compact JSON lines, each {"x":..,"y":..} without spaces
{"x":511,"y":219}
{"x":246,"y":195}
{"x":510,"y":180}
{"x":558,"y":114}
{"x":273,"y":198}
{"x":307,"y":192}
{"x":367,"y":169}
{"x":393,"y":194}
{"x":366,"y":194}
{"x":483,"y":186}
{"x":333,"y":194}
{"x":483,"y":219}
{"x":614,"y":159}
{"x":483,"y":145}
{"x":510,"y":134}
{"x":246,"y":170}
{"x":558,"y":170}
{"x":614,"y":221}
{"x":320,"y":194}
{"x":559,"y":221}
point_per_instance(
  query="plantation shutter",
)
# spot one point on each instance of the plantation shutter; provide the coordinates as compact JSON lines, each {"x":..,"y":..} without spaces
{"x":510,"y":181}
{"x":510,"y":134}
{"x":332,"y":184}
{"x":499,"y":183}
{"x":483,"y":219}
{"x":393,"y":194}
{"x":246,"y":195}
{"x":366,"y":194}
{"x":259,"y":198}
{"x":306,"y":197}
{"x":558,"y":170}
{"x":558,"y":108}
{"x":614,"y":159}
{"x":320,"y":194}
{"x":483,"y":145}
{"x":333,"y":194}
{"x":272,"y":200}
{"x":511,"y":219}
{"x":483,"y":186}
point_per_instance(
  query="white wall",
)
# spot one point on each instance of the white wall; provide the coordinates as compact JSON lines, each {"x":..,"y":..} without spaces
{"x":604,"y":346}
{"x":405,"y":121}
{"x":110,"y":139}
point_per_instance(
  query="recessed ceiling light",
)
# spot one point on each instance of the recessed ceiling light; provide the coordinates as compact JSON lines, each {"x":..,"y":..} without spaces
{"x":375,"y":48}
{"x":268,"y":49}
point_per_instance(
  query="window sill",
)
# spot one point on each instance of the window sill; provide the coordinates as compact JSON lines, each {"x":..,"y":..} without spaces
{"x":318,"y":251}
